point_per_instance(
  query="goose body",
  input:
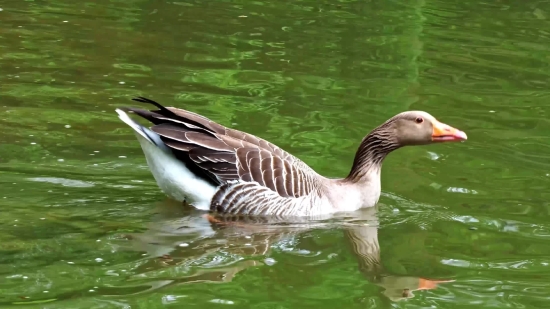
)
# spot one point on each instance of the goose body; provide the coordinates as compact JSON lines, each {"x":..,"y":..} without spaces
{"x":216,"y":168}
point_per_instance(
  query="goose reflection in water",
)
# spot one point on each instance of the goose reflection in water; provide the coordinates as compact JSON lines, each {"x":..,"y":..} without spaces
{"x":194,"y":237}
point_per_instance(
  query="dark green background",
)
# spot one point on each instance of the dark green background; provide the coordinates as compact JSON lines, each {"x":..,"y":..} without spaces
{"x":82,"y":222}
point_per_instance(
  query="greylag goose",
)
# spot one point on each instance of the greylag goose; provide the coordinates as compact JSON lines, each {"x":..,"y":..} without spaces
{"x":212,"y":167}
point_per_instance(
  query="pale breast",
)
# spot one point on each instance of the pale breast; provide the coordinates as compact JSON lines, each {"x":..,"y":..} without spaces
{"x":348,"y":196}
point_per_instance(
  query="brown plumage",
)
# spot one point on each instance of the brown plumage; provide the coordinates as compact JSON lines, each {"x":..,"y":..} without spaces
{"x":239,"y":173}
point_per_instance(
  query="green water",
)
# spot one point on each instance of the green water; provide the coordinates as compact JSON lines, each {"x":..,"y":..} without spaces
{"x":83,"y":224}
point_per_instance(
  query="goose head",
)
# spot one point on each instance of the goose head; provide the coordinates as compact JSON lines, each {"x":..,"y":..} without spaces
{"x":404,"y":129}
{"x":421,"y":128}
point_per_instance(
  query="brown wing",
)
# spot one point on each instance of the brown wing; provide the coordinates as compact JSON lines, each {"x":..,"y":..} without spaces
{"x":225,"y":154}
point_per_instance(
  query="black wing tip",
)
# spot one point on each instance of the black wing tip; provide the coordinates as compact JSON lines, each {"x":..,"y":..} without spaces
{"x":149,"y":101}
{"x":170,"y":113}
{"x":144,"y":100}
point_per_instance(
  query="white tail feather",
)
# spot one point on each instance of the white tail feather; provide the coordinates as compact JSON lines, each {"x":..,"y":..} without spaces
{"x":149,"y":135}
{"x":171,"y":174}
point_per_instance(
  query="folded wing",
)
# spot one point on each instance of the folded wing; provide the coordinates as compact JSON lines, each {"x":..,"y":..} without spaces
{"x":225,"y":156}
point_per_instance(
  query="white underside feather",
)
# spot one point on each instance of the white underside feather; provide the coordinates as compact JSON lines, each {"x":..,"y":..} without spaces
{"x":171,"y":175}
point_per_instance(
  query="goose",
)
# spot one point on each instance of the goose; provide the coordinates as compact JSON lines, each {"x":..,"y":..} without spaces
{"x":199,"y":162}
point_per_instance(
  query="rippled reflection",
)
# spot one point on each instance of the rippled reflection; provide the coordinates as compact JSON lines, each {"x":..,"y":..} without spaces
{"x":78,"y":229}
{"x":199,"y":248}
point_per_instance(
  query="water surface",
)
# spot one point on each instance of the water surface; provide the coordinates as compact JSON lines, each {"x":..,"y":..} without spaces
{"x":84,"y":225}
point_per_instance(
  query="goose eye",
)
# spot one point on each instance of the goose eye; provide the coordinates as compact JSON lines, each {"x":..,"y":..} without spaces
{"x":419,"y":120}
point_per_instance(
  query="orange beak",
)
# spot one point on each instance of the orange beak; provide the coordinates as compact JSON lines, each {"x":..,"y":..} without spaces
{"x":445,"y":133}
{"x":427,"y":284}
